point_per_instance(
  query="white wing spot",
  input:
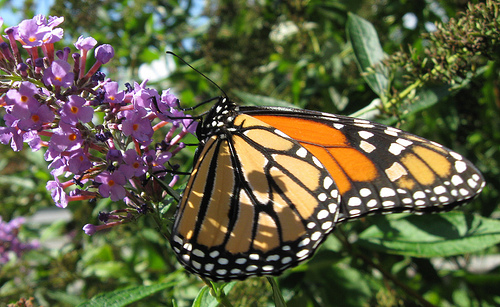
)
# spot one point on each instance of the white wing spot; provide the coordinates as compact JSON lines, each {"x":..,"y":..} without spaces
{"x":334,"y":193}
{"x":372,"y":203}
{"x":388,"y":204}
{"x":209,"y":267}
{"x":332,"y":208}
{"x":367,"y":147}
{"x":327,"y":182}
{"x":326,"y":225}
{"x":304,"y":242}
{"x":391,"y":131}
{"x":456,"y":180}
{"x":354,"y":202}
{"x":439,"y":190}
{"x":268,"y":268}
{"x":444,"y":199}
{"x":464,"y":192}
{"x":354,"y":212}
{"x":456,"y":155}
{"x":460,"y":166}
{"x":273,"y":258}
{"x":396,"y":149}
{"x":198,"y":253}
{"x":253,"y":256}
{"x":404,"y":142}
{"x":322,"y":197}
{"x":241,"y":261}
{"x":196,"y":264}
{"x":338,"y":126}
{"x":301,"y":152}
{"x":221,"y":271}
{"x":365,"y":134}
{"x":302,"y":253}
{"x":252,"y":268}
{"x":223,"y":261}
{"x":364,"y":192}
{"x":315,"y":236}
{"x":323,"y":214}
{"x":387,"y":192}
{"x":419,"y":194}
{"x":286,"y":260}
{"x":214,"y":254}
{"x":471,"y":183}
{"x":317,"y":162}
{"x":361,"y":121}
{"x":364,"y":125}
{"x":178,"y":240}
{"x":420,"y":203}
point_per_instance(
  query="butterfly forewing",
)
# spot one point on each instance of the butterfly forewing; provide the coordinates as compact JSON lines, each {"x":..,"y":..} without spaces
{"x":257,"y":203}
{"x":378,"y":169}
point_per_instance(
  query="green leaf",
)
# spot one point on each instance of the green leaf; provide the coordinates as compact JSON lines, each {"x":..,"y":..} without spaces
{"x":279,"y":301}
{"x":439,"y":235}
{"x":425,"y":98}
{"x":368,"y":53}
{"x":206,"y":299}
{"x":124,"y":297}
{"x":258,"y":100}
{"x":107,"y":269}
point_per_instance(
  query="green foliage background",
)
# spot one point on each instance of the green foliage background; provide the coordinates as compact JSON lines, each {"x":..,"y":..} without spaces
{"x":238,"y":45}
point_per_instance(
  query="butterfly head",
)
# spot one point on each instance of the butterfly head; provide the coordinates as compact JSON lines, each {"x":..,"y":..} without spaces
{"x":217,"y":119}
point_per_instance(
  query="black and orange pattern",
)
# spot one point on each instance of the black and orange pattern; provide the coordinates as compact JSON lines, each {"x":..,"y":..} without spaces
{"x":269,"y":184}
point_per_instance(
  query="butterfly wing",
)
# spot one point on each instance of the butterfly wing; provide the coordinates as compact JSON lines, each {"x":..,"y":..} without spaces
{"x":377,"y":168}
{"x":257,"y":202}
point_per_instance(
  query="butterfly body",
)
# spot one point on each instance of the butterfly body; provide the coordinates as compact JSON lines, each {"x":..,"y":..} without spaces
{"x":270,"y":183}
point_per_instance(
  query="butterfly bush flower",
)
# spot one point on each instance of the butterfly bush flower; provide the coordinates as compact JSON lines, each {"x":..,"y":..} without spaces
{"x":97,"y":137}
{"x":9,"y":241}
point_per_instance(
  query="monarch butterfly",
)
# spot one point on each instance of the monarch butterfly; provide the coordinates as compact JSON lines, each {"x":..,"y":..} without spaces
{"x":270,"y":183}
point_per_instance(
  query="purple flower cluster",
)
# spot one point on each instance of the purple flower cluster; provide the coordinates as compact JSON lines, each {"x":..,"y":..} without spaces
{"x":9,"y":241}
{"x":97,"y":138}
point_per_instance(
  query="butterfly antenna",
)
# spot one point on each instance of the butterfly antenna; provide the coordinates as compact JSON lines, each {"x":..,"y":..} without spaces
{"x":210,"y":80}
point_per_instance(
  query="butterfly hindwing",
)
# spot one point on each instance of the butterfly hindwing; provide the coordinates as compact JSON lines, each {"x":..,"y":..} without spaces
{"x":377,"y":168}
{"x":257,"y":203}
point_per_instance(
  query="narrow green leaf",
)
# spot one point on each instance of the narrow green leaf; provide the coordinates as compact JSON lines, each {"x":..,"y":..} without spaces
{"x":124,"y":297}
{"x":279,"y":301}
{"x":440,"y":235}
{"x":368,"y":52}
{"x":258,"y":100}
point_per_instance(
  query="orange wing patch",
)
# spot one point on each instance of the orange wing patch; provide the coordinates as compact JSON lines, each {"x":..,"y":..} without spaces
{"x":344,"y":163}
